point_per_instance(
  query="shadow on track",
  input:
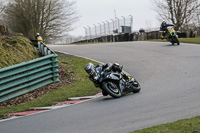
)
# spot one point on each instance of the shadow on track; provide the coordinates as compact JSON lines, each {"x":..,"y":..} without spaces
{"x":109,"y":98}
{"x":170,"y":45}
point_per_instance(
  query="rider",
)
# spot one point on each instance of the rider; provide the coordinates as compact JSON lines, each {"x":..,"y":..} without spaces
{"x":163,"y":27}
{"x":90,"y":69}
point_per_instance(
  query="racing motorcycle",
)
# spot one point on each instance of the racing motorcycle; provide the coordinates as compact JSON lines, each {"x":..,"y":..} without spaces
{"x":172,"y":35}
{"x":112,"y":81}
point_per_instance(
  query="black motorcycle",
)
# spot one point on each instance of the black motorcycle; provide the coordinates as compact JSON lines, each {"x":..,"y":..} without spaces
{"x":112,"y":81}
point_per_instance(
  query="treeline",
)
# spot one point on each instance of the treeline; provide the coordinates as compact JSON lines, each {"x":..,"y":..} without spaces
{"x":50,"y":18}
{"x":185,"y":14}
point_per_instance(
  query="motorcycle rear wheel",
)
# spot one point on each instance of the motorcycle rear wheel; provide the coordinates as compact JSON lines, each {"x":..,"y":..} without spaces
{"x":112,"y":89}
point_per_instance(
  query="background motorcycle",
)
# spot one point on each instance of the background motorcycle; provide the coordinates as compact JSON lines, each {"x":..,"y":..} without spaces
{"x":171,"y":35}
{"x":114,"y":83}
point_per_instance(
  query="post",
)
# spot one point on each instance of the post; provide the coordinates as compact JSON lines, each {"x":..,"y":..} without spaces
{"x":118,"y":23}
{"x":131,"y":22}
{"x":108,"y":27}
{"x":95,"y":30}
{"x":89,"y":31}
{"x":113,"y":24}
{"x":124,"y":20}
{"x":85,"y":32}
{"x":104,"y":28}
{"x":100,"y":28}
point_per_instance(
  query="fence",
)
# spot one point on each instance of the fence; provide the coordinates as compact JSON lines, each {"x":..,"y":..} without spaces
{"x":27,"y":76}
{"x":105,"y":28}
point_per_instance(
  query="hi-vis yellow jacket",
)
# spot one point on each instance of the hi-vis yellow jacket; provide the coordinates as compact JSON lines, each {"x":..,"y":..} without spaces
{"x":39,"y":38}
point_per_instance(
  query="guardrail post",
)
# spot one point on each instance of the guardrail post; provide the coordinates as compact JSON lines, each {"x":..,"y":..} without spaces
{"x":39,"y":47}
{"x":54,"y":68}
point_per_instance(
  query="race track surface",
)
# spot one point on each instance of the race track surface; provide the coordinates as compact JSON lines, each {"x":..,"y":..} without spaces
{"x":170,"y":80}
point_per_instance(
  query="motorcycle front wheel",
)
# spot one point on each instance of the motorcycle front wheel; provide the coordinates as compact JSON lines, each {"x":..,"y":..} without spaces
{"x":177,"y":41}
{"x":112,"y":89}
{"x":136,"y":86}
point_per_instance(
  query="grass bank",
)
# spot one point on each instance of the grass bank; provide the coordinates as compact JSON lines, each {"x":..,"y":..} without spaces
{"x":81,"y":87}
{"x":16,"y":49}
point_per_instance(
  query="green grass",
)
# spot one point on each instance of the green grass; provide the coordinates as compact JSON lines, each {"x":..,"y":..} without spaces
{"x":81,"y":87}
{"x":182,"y":40}
{"x":182,"y":126}
{"x":190,"y":40}
{"x":15,"y":50}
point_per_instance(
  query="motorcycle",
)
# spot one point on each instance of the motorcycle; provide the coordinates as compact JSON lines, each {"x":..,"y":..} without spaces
{"x":172,"y":35}
{"x":114,"y":83}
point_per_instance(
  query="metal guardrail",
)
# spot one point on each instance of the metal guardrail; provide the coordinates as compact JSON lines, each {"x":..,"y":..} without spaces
{"x":27,"y":76}
{"x":43,"y":49}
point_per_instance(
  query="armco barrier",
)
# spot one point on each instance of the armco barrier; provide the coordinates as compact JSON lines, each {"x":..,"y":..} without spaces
{"x":27,"y":76}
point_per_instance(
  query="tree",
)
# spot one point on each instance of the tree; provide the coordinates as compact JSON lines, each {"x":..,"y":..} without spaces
{"x":2,"y":6}
{"x":179,"y":12}
{"x":50,"y":18}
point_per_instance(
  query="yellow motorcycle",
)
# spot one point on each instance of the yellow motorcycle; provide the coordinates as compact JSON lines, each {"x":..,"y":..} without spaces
{"x":171,"y":35}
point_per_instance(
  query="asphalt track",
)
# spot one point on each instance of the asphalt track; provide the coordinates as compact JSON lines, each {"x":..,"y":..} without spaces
{"x":170,"y":80}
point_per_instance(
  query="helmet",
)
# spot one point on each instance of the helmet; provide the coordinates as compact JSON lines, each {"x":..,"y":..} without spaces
{"x":37,"y":34}
{"x":90,"y":69}
{"x":116,"y":67}
{"x":164,"y":23}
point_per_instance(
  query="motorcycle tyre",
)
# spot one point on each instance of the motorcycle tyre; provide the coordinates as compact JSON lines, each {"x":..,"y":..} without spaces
{"x":136,"y":89}
{"x":104,"y":93}
{"x":106,"y":88}
{"x":177,"y":41}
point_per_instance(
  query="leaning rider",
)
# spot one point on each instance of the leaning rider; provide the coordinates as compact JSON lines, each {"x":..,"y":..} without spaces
{"x":90,"y":69}
{"x":163,"y":27}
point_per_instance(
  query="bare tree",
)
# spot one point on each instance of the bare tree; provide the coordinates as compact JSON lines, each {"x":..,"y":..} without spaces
{"x":178,"y":12}
{"x":2,"y":5}
{"x":51,"y":18}
{"x":196,"y":21}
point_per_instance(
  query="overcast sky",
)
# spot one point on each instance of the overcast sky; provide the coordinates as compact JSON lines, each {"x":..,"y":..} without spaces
{"x":96,"y":11}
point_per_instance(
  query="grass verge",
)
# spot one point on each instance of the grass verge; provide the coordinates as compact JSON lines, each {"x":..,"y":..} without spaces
{"x":81,"y":87}
{"x":182,"y":126}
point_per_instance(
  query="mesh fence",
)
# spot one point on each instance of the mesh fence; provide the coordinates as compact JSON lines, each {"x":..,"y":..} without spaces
{"x":109,"y":27}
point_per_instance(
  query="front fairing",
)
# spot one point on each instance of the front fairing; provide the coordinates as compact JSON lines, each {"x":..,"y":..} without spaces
{"x":109,"y":76}
{"x":171,"y":32}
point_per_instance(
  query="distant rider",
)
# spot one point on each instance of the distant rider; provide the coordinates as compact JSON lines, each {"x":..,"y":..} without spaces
{"x":163,"y":28}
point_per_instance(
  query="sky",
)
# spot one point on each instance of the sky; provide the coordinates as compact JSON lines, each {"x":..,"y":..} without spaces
{"x":98,"y":11}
